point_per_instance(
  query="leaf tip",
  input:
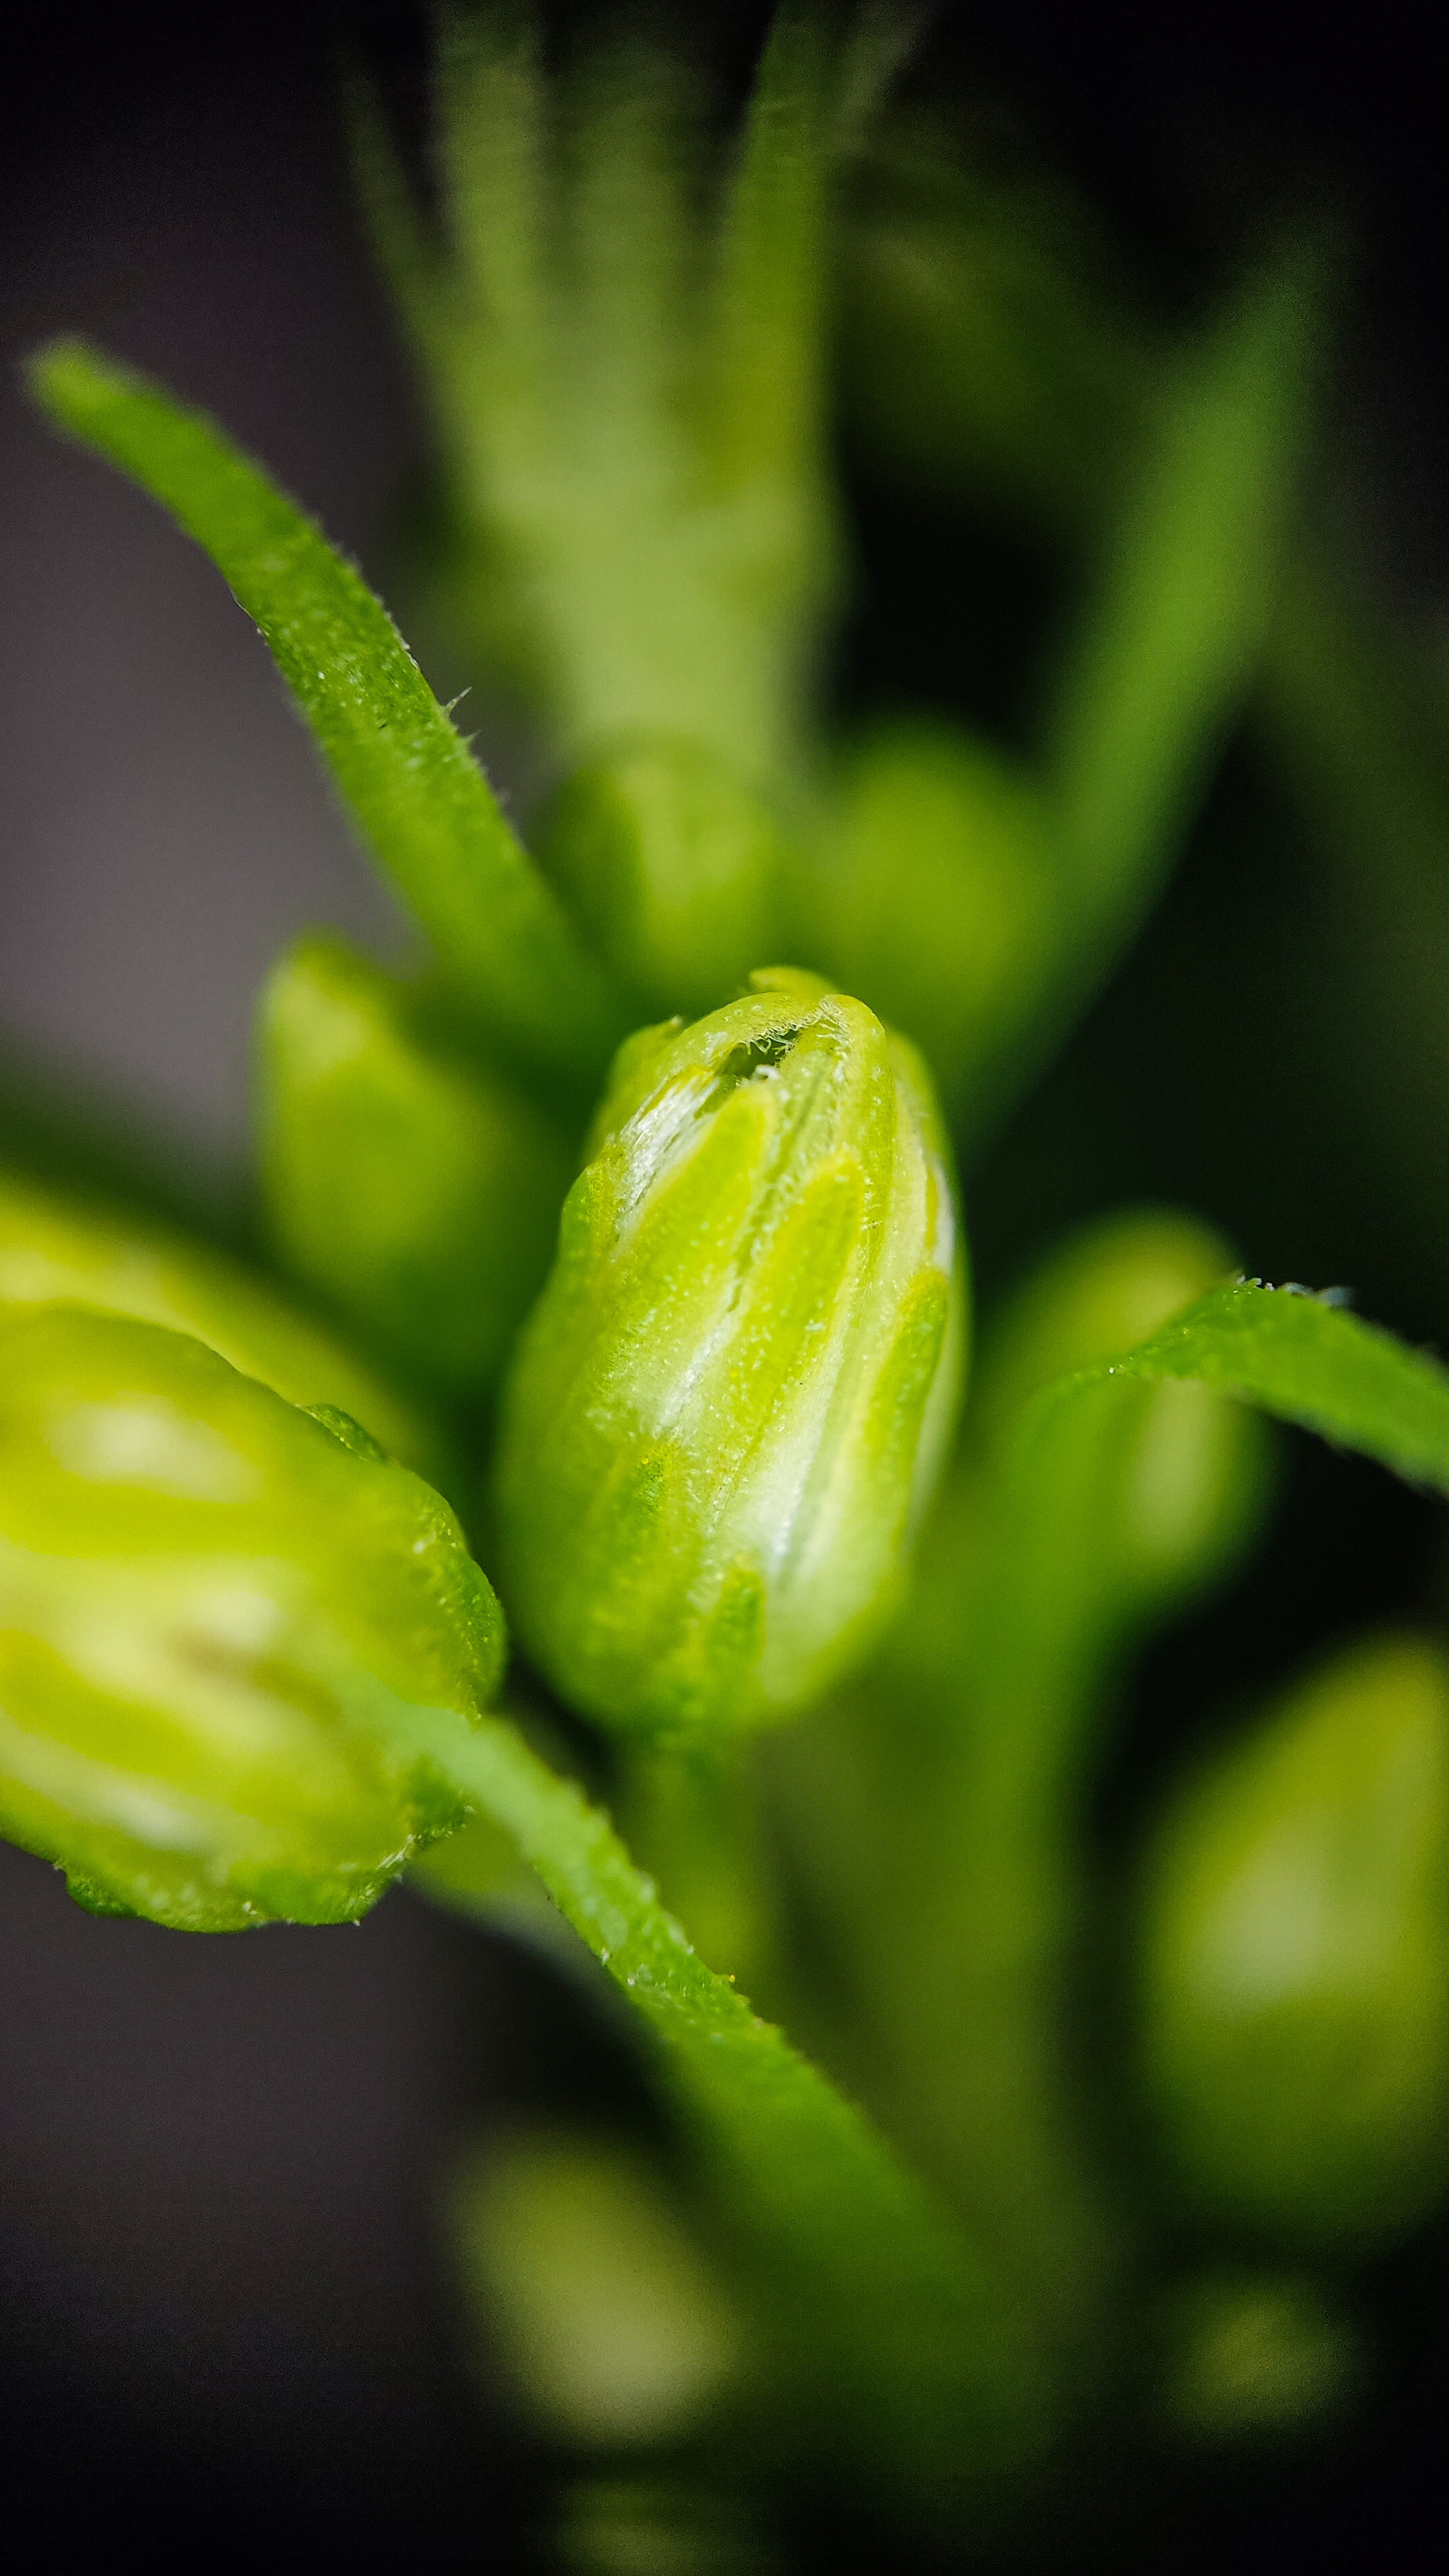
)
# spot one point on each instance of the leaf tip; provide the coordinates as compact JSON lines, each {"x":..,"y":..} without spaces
{"x":65,"y":376}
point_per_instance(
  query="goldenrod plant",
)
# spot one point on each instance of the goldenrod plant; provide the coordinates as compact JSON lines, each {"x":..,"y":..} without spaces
{"x":649,"y":1251}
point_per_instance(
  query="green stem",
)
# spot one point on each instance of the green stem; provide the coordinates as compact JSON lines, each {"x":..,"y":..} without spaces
{"x":876,"y":2352}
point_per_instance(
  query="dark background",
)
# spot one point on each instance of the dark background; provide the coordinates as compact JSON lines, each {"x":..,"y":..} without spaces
{"x":224,"y":2316}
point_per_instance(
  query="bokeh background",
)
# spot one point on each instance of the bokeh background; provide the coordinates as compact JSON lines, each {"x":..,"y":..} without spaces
{"x":225,"y":2305}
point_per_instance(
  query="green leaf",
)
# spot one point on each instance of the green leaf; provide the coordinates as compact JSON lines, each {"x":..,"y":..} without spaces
{"x":1301,"y":1358}
{"x":998,"y":350}
{"x":410,"y":780}
{"x":771,"y":247}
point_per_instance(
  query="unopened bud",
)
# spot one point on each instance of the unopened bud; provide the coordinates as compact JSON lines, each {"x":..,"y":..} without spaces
{"x":56,"y":1249}
{"x":930,"y":892}
{"x":671,"y":865}
{"x":414,"y":1192}
{"x":1171,"y":1474}
{"x":217,"y":1613}
{"x":1295,"y":1961}
{"x":728,"y":1409}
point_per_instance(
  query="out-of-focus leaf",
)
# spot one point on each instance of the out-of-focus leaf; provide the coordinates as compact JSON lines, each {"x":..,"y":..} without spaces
{"x":993,"y":345}
{"x":981,"y":907}
{"x":622,"y":326}
{"x":1174,"y":630}
{"x":410,"y":780}
{"x":998,"y":350}
{"x":1351,"y":718}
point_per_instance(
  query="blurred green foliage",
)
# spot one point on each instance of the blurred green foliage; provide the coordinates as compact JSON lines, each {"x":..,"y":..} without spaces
{"x":1121,"y":2163}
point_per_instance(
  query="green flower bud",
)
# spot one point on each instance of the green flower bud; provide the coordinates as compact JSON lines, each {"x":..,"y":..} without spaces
{"x":728,"y":1409}
{"x":217,"y":1613}
{"x":930,"y":891}
{"x":1295,"y":1961}
{"x":1247,"y":2356}
{"x":1164,"y":1482}
{"x":55,"y":1250}
{"x":1146,"y":1495}
{"x":592,"y":2288}
{"x":414,"y":1192}
{"x":1104,"y":1288}
{"x":671,"y":866}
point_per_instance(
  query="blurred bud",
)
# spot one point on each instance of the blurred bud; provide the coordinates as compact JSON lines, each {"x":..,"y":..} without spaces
{"x":55,"y":1250}
{"x":415,"y":1193}
{"x":663,"y":2523}
{"x":606,"y":2311}
{"x":671,"y":867}
{"x":1176,"y":1469}
{"x":929,"y":892}
{"x":729,"y":1406}
{"x":1105,"y":1288}
{"x":1143,"y":1495}
{"x":1295,"y":1960}
{"x":1247,"y":2356}
{"x":217,"y":1613}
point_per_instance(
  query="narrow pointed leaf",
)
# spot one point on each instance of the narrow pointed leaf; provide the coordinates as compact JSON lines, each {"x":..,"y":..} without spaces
{"x":408,"y":777}
{"x":1176,"y":628}
{"x":1307,"y":1362}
